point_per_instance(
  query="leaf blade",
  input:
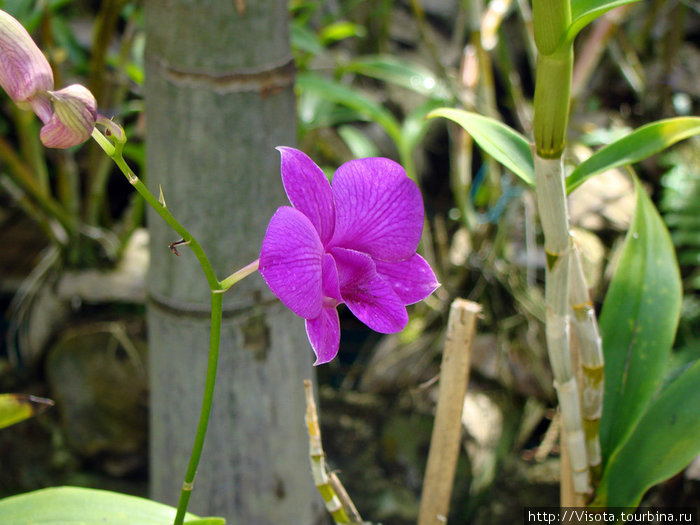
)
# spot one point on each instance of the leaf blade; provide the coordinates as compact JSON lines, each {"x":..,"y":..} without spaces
{"x":638,"y":145}
{"x":18,"y":407}
{"x":502,"y":142}
{"x":672,"y":425}
{"x":638,"y":322}
{"x":78,"y":506}
{"x":583,"y":12}
{"x":346,"y":96}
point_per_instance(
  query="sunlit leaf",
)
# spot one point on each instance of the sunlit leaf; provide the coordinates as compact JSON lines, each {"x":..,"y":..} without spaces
{"x":638,"y":323}
{"x":583,"y":12}
{"x":78,"y":506}
{"x":18,"y":407}
{"x":401,"y":72}
{"x":503,"y":143}
{"x":340,"y":31}
{"x":664,"y":441}
{"x":638,"y":145}
{"x":344,"y":95}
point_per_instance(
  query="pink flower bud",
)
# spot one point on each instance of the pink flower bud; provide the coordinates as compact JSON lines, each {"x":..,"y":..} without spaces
{"x":73,"y":119}
{"x":25,"y":74}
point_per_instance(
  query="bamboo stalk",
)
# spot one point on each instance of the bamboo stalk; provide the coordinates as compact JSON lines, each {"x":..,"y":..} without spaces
{"x":445,"y":439}
{"x":334,"y":495}
{"x":551,"y":202}
{"x":586,"y":328}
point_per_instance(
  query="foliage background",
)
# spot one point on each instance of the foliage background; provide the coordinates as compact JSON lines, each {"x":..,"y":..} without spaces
{"x":367,"y":73}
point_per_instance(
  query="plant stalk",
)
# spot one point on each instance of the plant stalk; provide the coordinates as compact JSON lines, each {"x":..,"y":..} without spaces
{"x":586,"y":328}
{"x":551,"y":201}
{"x":217,"y":300}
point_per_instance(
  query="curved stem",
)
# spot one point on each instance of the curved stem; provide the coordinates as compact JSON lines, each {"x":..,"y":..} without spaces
{"x":214,"y":340}
{"x":115,"y":152}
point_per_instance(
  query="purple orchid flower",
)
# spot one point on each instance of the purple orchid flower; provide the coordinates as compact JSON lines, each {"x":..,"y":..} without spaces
{"x":351,"y":242}
{"x":26,"y":76}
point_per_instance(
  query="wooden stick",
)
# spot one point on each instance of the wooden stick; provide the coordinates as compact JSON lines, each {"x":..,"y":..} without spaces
{"x":447,"y":430}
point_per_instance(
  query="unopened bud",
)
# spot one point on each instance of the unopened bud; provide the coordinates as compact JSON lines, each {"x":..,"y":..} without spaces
{"x":25,"y":74}
{"x":73,"y":119}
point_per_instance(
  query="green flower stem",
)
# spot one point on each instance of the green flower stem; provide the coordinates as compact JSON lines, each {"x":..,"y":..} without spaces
{"x":240,"y":274}
{"x":214,"y":340}
{"x":114,"y":151}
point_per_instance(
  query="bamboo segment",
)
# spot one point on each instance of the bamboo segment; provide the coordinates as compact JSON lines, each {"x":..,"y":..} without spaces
{"x":551,"y":202}
{"x":586,"y":327}
{"x":335,"y":498}
{"x":445,"y":439}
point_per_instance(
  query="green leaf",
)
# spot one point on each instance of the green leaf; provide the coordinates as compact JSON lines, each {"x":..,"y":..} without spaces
{"x":347,"y":96}
{"x":638,"y":145}
{"x":81,"y":506}
{"x":415,"y":126}
{"x":664,"y":441}
{"x":305,"y":40}
{"x":401,"y":72}
{"x":638,"y":322}
{"x":583,"y":12}
{"x":360,"y":144}
{"x":503,"y":143}
{"x":340,"y":31}
{"x":18,"y":407}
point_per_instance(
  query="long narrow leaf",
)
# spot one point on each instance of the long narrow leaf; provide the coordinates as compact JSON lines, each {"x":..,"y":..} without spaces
{"x":666,"y":439}
{"x":638,"y":322}
{"x":81,"y":505}
{"x":346,"y":96}
{"x":401,"y":72}
{"x":638,"y":145}
{"x":503,"y":143}
{"x":583,"y":12}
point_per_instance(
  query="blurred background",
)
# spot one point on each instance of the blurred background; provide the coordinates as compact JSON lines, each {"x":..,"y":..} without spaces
{"x":74,"y":251}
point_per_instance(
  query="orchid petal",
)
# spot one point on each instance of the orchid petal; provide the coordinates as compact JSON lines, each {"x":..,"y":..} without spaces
{"x":24,"y":70}
{"x":331,"y":286}
{"x":75,"y":113}
{"x":412,"y":280}
{"x":308,"y":190}
{"x":379,"y":210}
{"x":324,"y":334}
{"x":367,"y":295}
{"x":290,"y":262}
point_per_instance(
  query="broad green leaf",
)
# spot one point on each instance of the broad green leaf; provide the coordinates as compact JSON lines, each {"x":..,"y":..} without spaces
{"x":638,"y":322}
{"x":638,"y":145}
{"x":583,"y":12}
{"x":401,"y":72}
{"x":81,"y":506}
{"x":664,"y":441}
{"x":18,"y":407}
{"x":503,"y":143}
{"x":346,"y":96}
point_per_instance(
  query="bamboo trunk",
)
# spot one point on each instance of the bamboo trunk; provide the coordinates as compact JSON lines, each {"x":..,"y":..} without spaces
{"x":219,"y":98}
